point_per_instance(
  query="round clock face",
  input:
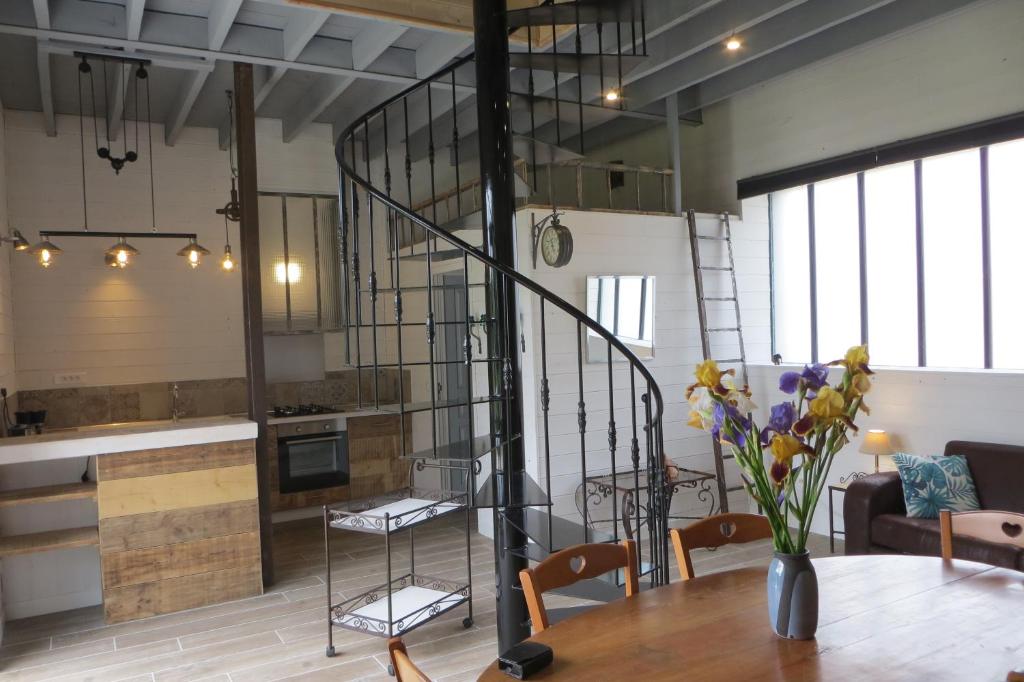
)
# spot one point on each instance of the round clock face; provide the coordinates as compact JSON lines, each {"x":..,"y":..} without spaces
{"x":551,"y":246}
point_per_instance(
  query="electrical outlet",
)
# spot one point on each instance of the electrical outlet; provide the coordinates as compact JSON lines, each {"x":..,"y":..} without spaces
{"x":69,"y":378}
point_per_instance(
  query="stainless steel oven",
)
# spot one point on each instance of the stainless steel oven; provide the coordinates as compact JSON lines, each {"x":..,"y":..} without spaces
{"x":312,"y":455}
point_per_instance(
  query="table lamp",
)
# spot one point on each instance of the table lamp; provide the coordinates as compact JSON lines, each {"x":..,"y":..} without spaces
{"x":876,"y":443}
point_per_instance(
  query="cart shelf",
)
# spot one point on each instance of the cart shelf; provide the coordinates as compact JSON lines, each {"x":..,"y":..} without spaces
{"x":415,"y":600}
{"x":394,"y":511}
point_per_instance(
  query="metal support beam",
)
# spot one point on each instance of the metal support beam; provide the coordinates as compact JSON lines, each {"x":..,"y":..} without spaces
{"x":675,"y":151}
{"x":252,"y":302}
{"x":133,"y":11}
{"x":222,"y":16}
{"x":498,"y":190}
{"x":367,"y":48}
{"x":42,"y":13}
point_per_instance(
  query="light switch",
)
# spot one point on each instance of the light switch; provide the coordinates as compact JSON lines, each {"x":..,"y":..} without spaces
{"x":69,"y":378}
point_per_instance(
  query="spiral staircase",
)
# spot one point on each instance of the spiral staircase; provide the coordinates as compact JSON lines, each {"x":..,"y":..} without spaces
{"x":434,"y":292}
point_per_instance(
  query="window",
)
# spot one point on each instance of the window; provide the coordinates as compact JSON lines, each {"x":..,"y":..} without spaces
{"x":919,"y":259}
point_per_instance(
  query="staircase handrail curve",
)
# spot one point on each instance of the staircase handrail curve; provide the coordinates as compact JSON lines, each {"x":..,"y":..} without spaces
{"x":348,"y":171}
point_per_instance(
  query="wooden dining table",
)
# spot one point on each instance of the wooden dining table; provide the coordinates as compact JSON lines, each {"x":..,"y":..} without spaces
{"x":880,"y":618}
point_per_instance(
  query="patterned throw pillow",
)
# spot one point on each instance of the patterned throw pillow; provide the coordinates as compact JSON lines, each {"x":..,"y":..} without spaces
{"x":934,"y":484}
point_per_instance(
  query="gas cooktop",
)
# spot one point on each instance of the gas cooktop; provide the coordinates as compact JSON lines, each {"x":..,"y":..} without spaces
{"x":280,"y":411}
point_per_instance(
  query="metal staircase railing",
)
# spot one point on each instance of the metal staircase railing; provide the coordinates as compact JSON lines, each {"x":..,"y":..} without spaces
{"x":397,"y":312}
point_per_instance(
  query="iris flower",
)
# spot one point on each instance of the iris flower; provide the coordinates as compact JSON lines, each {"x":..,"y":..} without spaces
{"x":781,"y":421}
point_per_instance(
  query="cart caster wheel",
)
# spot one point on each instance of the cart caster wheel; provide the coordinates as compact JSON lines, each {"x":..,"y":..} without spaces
{"x":330,"y":652}
{"x":467,"y":623}
{"x":391,"y":670}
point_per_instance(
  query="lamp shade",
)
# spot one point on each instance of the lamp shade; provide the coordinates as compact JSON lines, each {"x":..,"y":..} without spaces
{"x":876,"y":442}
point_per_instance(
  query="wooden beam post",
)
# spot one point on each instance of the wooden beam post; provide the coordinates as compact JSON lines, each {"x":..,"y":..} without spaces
{"x":252,"y":300}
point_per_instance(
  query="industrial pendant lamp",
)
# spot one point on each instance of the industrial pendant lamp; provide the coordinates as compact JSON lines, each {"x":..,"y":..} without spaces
{"x":232,"y":209}
{"x":122,"y":252}
{"x":193,"y":252}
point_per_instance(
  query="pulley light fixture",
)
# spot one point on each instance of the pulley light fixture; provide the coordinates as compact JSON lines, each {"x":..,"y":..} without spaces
{"x":232,"y":210}
{"x":121,"y":254}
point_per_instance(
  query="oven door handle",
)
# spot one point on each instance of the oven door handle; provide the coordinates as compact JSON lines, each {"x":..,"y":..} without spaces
{"x":296,"y":441}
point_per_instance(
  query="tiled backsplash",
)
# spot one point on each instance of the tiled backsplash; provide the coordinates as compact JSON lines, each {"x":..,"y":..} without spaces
{"x":83,"y":406}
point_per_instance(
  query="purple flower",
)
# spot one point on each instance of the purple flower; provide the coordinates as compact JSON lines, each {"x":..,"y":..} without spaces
{"x":730,"y":433}
{"x":815,"y":375}
{"x":788,"y":382}
{"x":782,"y":417}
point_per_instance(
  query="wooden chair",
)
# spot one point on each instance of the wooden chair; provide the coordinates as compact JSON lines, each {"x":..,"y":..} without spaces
{"x":573,"y":564}
{"x":405,"y":670}
{"x":1015,"y":675}
{"x":715,"y":531}
{"x":990,"y":526}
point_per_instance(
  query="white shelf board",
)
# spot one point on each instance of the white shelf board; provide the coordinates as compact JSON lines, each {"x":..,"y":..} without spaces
{"x":404,"y":602}
{"x":408,"y":505}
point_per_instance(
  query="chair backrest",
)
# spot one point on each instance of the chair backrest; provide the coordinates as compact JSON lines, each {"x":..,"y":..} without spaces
{"x":571,"y":565}
{"x":715,"y":531}
{"x":405,"y":669}
{"x":990,"y":526}
{"x":1015,"y":675}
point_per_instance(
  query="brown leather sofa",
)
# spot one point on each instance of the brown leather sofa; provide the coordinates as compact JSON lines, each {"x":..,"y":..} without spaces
{"x":876,"y":517}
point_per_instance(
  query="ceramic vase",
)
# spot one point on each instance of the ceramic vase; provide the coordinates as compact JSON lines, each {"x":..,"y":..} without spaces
{"x":793,"y":596}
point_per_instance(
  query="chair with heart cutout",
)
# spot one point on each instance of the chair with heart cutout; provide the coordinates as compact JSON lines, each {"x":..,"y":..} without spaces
{"x":572,"y":564}
{"x":715,"y":531}
{"x":991,"y":526}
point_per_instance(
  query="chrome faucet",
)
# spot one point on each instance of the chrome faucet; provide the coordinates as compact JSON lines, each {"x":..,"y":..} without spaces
{"x":175,"y":413}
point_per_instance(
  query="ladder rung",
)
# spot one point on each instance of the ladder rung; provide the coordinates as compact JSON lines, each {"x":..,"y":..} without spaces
{"x":719,"y":298}
{"x":724,"y":329}
{"x":716,"y":267}
{"x":729,"y":456}
{"x":713,"y":239}
{"x":730,"y":361}
{"x":734,"y":489}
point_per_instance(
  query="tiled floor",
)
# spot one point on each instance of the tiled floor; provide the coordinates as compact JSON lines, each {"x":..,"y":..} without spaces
{"x":282,"y":635}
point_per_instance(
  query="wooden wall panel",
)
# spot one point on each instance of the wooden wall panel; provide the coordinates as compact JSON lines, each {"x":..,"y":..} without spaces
{"x":184,"y":558}
{"x":122,"y":533}
{"x":173,"y":460}
{"x":176,"y":594}
{"x":179,"y":528}
{"x":144,"y":494}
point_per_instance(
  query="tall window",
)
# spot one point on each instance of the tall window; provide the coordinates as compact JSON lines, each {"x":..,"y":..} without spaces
{"x":918,"y":259}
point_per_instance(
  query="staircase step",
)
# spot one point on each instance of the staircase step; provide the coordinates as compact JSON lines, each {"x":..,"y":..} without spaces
{"x":469,"y":221}
{"x":548,"y":109}
{"x":439,"y":256}
{"x":570,"y":62}
{"x":65,"y":538}
{"x":525,"y":147}
{"x":48,"y":493}
{"x":427,"y":406}
{"x":582,"y":11}
{"x":564,"y":532}
{"x":493,"y":493}
{"x":481,"y":446}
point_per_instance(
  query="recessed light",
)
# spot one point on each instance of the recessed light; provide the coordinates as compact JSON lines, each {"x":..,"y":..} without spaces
{"x":733,"y":44}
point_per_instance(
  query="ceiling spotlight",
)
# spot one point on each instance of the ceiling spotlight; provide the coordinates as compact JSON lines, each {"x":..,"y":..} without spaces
{"x":46,"y":251}
{"x":733,"y":44}
{"x":193,"y":252}
{"x":122,"y":253}
{"x":227,"y":263}
{"x":612,"y":96}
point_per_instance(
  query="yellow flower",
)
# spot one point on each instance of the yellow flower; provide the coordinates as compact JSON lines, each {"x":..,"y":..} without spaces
{"x":708,"y":374}
{"x":828,"y":404}
{"x":861,"y":383}
{"x":856,"y":357}
{"x":785,"y":447}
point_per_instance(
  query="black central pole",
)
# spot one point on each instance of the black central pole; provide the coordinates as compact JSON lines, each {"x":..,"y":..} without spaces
{"x":499,"y":225}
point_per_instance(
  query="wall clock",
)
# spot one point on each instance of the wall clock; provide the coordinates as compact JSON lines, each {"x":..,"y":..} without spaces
{"x":554,"y":241}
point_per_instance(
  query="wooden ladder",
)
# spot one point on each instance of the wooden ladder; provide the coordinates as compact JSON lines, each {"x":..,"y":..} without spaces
{"x":739,"y":362}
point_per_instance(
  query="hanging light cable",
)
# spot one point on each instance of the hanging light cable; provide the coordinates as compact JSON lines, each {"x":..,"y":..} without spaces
{"x":231,"y":210}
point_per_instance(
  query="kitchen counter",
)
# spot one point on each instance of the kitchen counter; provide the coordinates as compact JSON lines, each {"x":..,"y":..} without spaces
{"x":104,"y":439}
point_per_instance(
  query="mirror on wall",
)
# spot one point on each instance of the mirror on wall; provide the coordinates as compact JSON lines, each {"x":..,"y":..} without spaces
{"x":624,"y":305}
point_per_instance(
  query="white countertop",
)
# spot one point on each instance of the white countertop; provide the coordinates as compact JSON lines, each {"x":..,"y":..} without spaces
{"x":104,"y":439}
